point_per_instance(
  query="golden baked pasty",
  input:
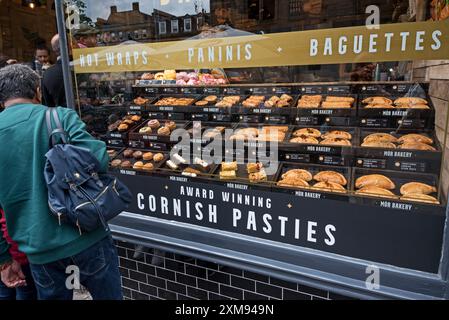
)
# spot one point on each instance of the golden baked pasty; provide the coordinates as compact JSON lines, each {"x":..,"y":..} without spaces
{"x":228,"y":175}
{"x":379,"y":106}
{"x":416,"y":146}
{"x":329,"y":186}
{"x":336,"y":142}
{"x":378,"y":100}
{"x":308,"y":104}
{"x":336,"y":105}
{"x":380,"y":137}
{"x":336,"y":134}
{"x":417,"y":188}
{"x":379,"y":144}
{"x":376,"y":191}
{"x":274,"y":128}
{"x":299,"y":174}
{"x":254,"y":167}
{"x":415,"y":106}
{"x":418,"y":197}
{"x":414,"y":137}
{"x":229,"y":166}
{"x":331,"y":176}
{"x":293,"y":182}
{"x":375,"y":180}
{"x":305,"y":140}
{"x":258,"y":176}
{"x":340,"y":99}
{"x":410,"y":101}
{"x":308,"y":132}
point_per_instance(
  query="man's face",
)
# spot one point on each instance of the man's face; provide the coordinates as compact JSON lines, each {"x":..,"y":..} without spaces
{"x":42,"y":56}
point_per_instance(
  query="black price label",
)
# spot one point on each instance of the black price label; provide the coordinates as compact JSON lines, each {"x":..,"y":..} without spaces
{"x":176,"y":116}
{"x":412,"y":166}
{"x":253,"y":119}
{"x":137,"y":144}
{"x":330,"y":160}
{"x":200,"y":117}
{"x":156,"y":115}
{"x":282,"y":90}
{"x":114,"y":142}
{"x":276,"y":119}
{"x":307,"y":120}
{"x":158,"y":146}
{"x":371,"y":163}
{"x":261,"y":91}
{"x":297,"y":157}
{"x":135,"y":108}
{"x":370,"y":89}
{"x":214,"y":91}
{"x":375,"y":123}
{"x":236,"y":91}
{"x":222,"y":117}
{"x":190,"y":90}
{"x":412,"y":123}
{"x":339,"y":89}
{"x":166,"y":108}
{"x":171,"y":90}
{"x":152,"y":90}
{"x":261,"y":110}
{"x":311,"y":90}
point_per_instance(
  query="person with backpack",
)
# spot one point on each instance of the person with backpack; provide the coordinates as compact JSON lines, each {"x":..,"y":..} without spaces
{"x":62,"y":256}
{"x":28,"y":290}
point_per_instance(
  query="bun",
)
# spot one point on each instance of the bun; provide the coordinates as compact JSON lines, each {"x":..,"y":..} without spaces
{"x":375,"y":180}
{"x":417,"y":188}
{"x":331,"y":176}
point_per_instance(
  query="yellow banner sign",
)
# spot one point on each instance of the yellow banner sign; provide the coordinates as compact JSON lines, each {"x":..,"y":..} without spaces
{"x":390,"y":42}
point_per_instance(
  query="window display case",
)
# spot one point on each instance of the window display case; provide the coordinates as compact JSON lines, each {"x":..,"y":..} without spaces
{"x":229,"y":154}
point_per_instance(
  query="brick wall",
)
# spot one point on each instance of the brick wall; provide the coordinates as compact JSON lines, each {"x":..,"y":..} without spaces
{"x":156,"y":275}
{"x":437,"y":72}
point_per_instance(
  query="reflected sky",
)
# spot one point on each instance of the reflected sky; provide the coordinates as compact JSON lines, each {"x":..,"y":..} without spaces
{"x":97,"y":9}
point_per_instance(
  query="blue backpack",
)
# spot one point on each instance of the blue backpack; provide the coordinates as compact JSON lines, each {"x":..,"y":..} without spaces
{"x":77,"y":193}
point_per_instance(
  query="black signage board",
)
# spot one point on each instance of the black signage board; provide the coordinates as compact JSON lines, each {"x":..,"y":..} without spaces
{"x":379,"y":230}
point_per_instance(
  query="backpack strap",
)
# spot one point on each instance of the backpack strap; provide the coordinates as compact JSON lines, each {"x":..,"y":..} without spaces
{"x":52,"y":133}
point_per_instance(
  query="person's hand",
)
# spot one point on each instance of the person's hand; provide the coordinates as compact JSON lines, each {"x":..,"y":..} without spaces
{"x":12,"y":276}
{"x":11,"y":61}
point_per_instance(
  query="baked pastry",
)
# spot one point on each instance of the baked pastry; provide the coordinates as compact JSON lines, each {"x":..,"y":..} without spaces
{"x":116,"y":163}
{"x":229,"y":166}
{"x":293,"y":182}
{"x":123,"y":127}
{"x":140,"y":101}
{"x":154,"y":124}
{"x":171,"y":125}
{"x":336,"y":142}
{"x":308,"y":104}
{"x":128,"y":153}
{"x":258,"y":176}
{"x":305,"y":140}
{"x":145,"y":130}
{"x":129,"y":122}
{"x":336,"y":105}
{"x":418,"y":197}
{"x":137,"y":155}
{"x":331,"y":176}
{"x":163,"y":131}
{"x":201,"y":103}
{"x":336,"y":134}
{"x":211,"y":99}
{"x":172,"y":165}
{"x":148,"y":156}
{"x":340,"y":99}
{"x":158,"y":157}
{"x":126,"y":165}
{"x":410,"y":101}
{"x":147,"y":76}
{"x":136,"y":118}
{"x":159,"y":76}
{"x":413,"y":138}
{"x":254,"y":167}
{"x":377,"y":100}
{"x":379,"y":106}
{"x":314,"y":98}
{"x":283,"y":104}
{"x":138,"y":165}
{"x":228,"y":175}
{"x":380,"y":137}
{"x":415,"y":106}
{"x":329,"y":186}
{"x":416,"y":146}
{"x":298,"y":174}
{"x":379,"y":144}
{"x":375,"y":180}
{"x":417,"y":188}
{"x":286,"y":97}
{"x":274,"y":128}
{"x":148,"y":167}
{"x":170,"y":75}
{"x":308,"y":132}
{"x":191,"y":172}
{"x":376,"y":191}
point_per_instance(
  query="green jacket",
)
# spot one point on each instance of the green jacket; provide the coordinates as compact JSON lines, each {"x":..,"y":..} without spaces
{"x":23,"y":192}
